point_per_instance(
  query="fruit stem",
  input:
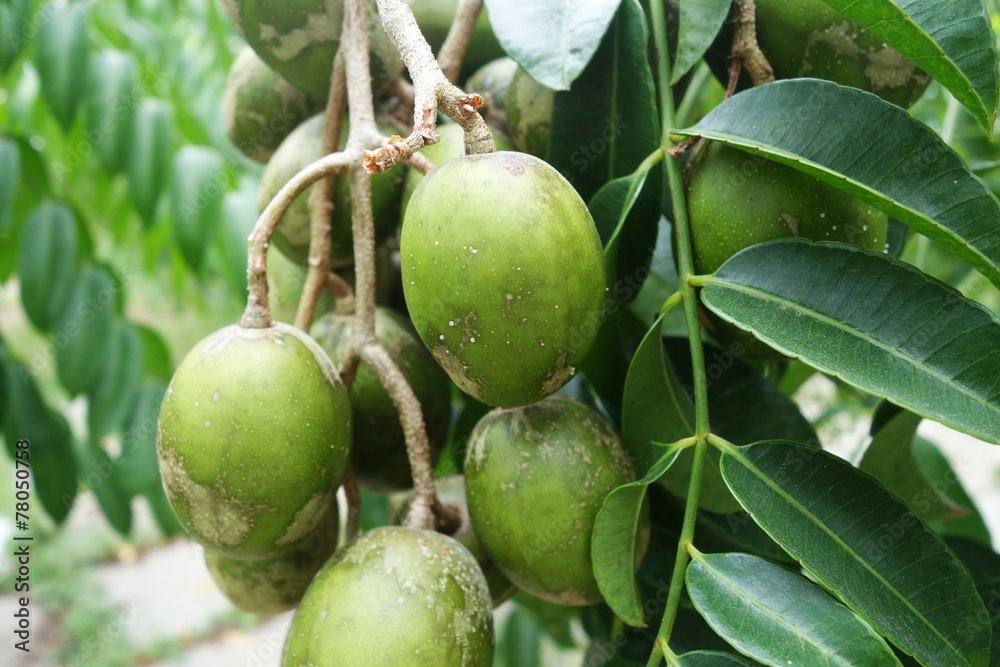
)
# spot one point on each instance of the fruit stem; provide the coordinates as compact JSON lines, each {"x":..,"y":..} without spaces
{"x":745,"y":48}
{"x":453,"y":50}
{"x":432,"y":93}
{"x":321,"y":201}
{"x":685,"y":271}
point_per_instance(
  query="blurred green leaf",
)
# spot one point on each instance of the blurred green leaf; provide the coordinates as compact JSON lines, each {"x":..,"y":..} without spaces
{"x":10,"y":166}
{"x":700,"y":23}
{"x":108,"y":107}
{"x":14,"y":18}
{"x":61,"y":53}
{"x":111,"y":397}
{"x":49,"y":263}
{"x":137,"y":463}
{"x":84,"y":332}
{"x":101,"y":476}
{"x":942,"y":477}
{"x":196,"y":201}
{"x":149,"y":157}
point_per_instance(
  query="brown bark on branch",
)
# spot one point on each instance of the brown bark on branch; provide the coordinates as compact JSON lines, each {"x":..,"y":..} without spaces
{"x":745,"y":49}
{"x":453,"y":50}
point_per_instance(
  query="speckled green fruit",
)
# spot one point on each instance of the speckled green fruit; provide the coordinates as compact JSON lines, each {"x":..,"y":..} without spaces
{"x":299,"y":38}
{"x":529,"y":114}
{"x":736,"y":199}
{"x":503,"y":275}
{"x":493,"y":79}
{"x":378,"y":455}
{"x":451,"y":145}
{"x":301,"y":148}
{"x":809,"y":38}
{"x":395,"y":596}
{"x":451,"y":491}
{"x":435,"y":17}
{"x":253,"y":439}
{"x":535,"y":479}
{"x":273,"y":585}
{"x":260,"y":108}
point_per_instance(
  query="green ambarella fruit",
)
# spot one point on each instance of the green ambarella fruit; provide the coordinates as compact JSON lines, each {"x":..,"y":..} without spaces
{"x":451,"y":492}
{"x":395,"y":596}
{"x":378,"y":455}
{"x":493,"y":79}
{"x":535,"y":478}
{"x":253,"y":439}
{"x":503,"y":275}
{"x":299,"y":38}
{"x":736,"y":199}
{"x":260,"y":108}
{"x":529,"y":114}
{"x":434,"y":17}
{"x":273,"y":585}
{"x":809,"y":38}
{"x":301,"y":148}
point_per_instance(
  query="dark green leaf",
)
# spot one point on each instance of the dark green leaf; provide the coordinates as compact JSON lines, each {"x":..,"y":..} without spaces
{"x":887,"y":328}
{"x":553,"y":40}
{"x":84,"y":332}
{"x":857,"y":539}
{"x":984,"y":565}
{"x":109,"y":101}
{"x":858,"y":142}
{"x":736,"y":531}
{"x":101,"y":477}
{"x":61,"y":52}
{"x":138,"y":468}
{"x":165,"y":517}
{"x":54,"y":466}
{"x":10,"y":166}
{"x":943,"y":478}
{"x":14,"y":17}
{"x":616,"y":540}
{"x":239,"y":214}
{"x":110,"y":399}
{"x":156,"y":361}
{"x":48,"y":263}
{"x":149,"y":157}
{"x":196,"y":201}
{"x":605,"y":366}
{"x":778,"y":616}
{"x":700,"y":23}
{"x":952,"y":41}
{"x":710,"y":659}
{"x":520,"y":643}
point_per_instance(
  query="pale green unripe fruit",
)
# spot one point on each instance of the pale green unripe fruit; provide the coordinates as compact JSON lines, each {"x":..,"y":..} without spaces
{"x":529,"y":114}
{"x":253,"y":439}
{"x":395,"y":596}
{"x":503,"y":274}
{"x":535,"y":479}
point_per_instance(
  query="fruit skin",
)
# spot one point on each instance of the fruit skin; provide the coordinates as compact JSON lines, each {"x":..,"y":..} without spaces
{"x":299,"y":38}
{"x":494,"y":79}
{"x":529,"y":114}
{"x":808,"y":38}
{"x":395,"y":596}
{"x":736,"y":199}
{"x":301,"y":148}
{"x":273,"y":585}
{"x":260,"y":108}
{"x":451,"y":491}
{"x":503,"y":275}
{"x":536,"y":477}
{"x":378,"y":455}
{"x":253,"y":439}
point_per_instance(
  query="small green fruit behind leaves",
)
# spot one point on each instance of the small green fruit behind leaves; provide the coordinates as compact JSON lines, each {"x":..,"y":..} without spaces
{"x":301,"y":148}
{"x":10,"y":166}
{"x":529,"y":114}
{"x":111,"y":397}
{"x":298,"y":39}
{"x":49,"y":263}
{"x":109,"y":107}
{"x":253,"y":439}
{"x":492,"y":81}
{"x":260,"y":108}
{"x":536,"y":478}
{"x":61,"y":57}
{"x":378,"y":456}
{"x":451,"y":492}
{"x":83,"y":337}
{"x":149,"y":158}
{"x":196,"y":193}
{"x":508,"y":306}
{"x":433,"y":609}
{"x":14,"y":17}
{"x":274,"y":585}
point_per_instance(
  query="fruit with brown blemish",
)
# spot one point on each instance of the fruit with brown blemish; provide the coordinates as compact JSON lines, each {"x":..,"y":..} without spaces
{"x":503,"y":274}
{"x":253,"y":439}
{"x":378,"y":455}
{"x":535,"y":478}
{"x":395,"y":596}
{"x":273,"y":585}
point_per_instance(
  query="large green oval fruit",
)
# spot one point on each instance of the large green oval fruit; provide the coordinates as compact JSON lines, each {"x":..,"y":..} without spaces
{"x":253,"y":439}
{"x":529,"y":114}
{"x":536,"y":477}
{"x":451,"y":492}
{"x":260,"y":108}
{"x":378,"y":456}
{"x":299,"y":38}
{"x":395,"y":596}
{"x":809,"y":38}
{"x":273,"y":585}
{"x":301,"y":148}
{"x":503,"y":275}
{"x":736,"y":199}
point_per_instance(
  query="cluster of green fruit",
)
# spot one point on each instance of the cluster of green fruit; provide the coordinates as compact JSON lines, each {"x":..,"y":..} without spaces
{"x":503,"y":276}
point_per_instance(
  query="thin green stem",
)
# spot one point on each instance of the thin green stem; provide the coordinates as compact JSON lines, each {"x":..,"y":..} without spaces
{"x":670,"y":302}
{"x":691,"y":96}
{"x":656,"y":657}
{"x":685,"y":271}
